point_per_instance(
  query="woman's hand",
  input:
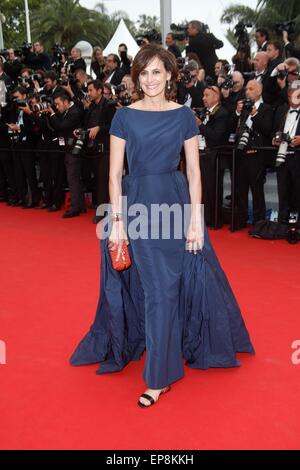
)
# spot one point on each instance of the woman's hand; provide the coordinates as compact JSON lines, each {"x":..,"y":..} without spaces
{"x":117,"y":238}
{"x":195,"y":238}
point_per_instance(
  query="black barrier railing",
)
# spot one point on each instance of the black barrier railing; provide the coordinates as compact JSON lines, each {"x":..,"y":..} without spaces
{"x":230,"y":150}
{"x":224,"y":150}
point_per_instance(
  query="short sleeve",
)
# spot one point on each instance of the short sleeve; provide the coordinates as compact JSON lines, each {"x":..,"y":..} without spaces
{"x":191,"y":128}
{"x":117,"y":127}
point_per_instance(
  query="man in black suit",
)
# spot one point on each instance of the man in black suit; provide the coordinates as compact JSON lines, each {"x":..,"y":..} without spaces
{"x":12,"y":66}
{"x":65,"y":121}
{"x":38,"y":59}
{"x":190,"y":93}
{"x":261,"y":38}
{"x":287,"y":120}
{"x":172,"y":46}
{"x":76,"y":62}
{"x":204,"y":45}
{"x":97,"y":120}
{"x":213,"y":133}
{"x":251,"y":162}
{"x":112,"y":70}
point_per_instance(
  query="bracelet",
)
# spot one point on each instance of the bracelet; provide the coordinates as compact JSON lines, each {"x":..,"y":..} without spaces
{"x":116,"y":217}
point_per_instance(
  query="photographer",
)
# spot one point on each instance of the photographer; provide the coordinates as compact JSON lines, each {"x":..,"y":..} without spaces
{"x":97,"y":121}
{"x":254,"y":124}
{"x":51,"y":86}
{"x":76,"y":61}
{"x":12,"y":66}
{"x":21,"y":128}
{"x":4,"y":77}
{"x":289,"y":48}
{"x":261,"y":38}
{"x":232,"y":91}
{"x":285,"y":74}
{"x":68,"y":118}
{"x":98,"y":63}
{"x":38,"y":59}
{"x":242,"y":59}
{"x":112,"y":70}
{"x":172,"y":46}
{"x":274,"y":53}
{"x":8,"y":190}
{"x":190,"y":89}
{"x":212,"y":123}
{"x":287,"y":138}
{"x":125,"y":64}
{"x":204,"y":45}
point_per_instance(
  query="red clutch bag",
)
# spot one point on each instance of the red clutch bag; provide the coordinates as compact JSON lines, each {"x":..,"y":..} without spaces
{"x":124,"y":261}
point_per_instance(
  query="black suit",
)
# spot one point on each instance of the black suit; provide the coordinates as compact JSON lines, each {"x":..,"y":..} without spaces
{"x":251,"y":166}
{"x":288,"y":173}
{"x":101,"y":115}
{"x":64,"y":125}
{"x":215,"y":134}
{"x":117,"y":77}
{"x":174,"y":50}
{"x":204,"y":45}
{"x":196,"y":93}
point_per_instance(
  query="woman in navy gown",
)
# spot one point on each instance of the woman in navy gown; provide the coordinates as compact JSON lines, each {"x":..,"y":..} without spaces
{"x":174,"y":301}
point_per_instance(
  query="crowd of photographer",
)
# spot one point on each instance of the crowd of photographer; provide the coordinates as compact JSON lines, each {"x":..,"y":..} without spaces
{"x":55,"y":120}
{"x":54,"y":125}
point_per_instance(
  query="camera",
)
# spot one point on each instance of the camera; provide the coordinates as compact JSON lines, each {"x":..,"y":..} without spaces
{"x":79,"y":142}
{"x":288,"y":26}
{"x":185,"y":76}
{"x":25,"y":48}
{"x":228,"y":84}
{"x":46,"y":102}
{"x":69,"y":80}
{"x":284,"y":139}
{"x":179,"y":31}
{"x":241,"y":33}
{"x":244,"y":139}
{"x":181,"y":62}
{"x":116,"y":89}
{"x":201,"y":113}
{"x":153,"y":36}
{"x":19,"y":103}
{"x":82,"y":141}
{"x":248,"y":104}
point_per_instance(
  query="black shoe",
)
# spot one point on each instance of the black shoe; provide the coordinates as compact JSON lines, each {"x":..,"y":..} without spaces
{"x":53,"y":208}
{"x":42,"y":205}
{"x":70,"y":214}
{"x":18,"y":203}
{"x":83,"y":210}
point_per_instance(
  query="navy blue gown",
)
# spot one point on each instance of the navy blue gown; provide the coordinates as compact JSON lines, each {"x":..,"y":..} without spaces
{"x":175,"y":304}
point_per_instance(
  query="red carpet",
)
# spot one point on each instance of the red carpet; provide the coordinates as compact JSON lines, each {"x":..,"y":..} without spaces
{"x":49,"y":289}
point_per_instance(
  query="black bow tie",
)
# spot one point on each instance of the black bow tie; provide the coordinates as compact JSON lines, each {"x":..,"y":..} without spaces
{"x":294,"y":111}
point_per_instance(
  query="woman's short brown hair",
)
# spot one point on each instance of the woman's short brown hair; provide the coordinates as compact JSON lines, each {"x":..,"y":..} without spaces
{"x":142,"y":59}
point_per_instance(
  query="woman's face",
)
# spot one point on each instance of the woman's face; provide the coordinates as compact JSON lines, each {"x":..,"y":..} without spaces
{"x":153,"y":78}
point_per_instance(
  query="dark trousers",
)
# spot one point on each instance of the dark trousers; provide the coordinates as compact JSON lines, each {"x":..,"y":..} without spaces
{"x":288,"y":181}
{"x":208,"y":180}
{"x":100,"y":169}
{"x":25,"y":173}
{"x":53,"y":175}
{"x":250,"y":173}
{"x":7,"y":177}
{"x":73,"y":167}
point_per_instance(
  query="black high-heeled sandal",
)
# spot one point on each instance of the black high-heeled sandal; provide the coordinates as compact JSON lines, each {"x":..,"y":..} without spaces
{"x":151,"y":399}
